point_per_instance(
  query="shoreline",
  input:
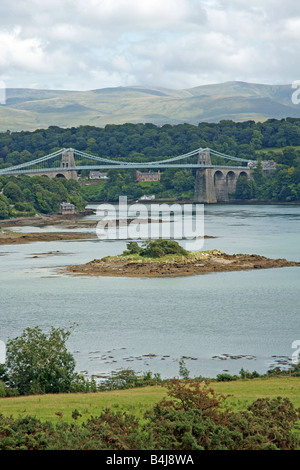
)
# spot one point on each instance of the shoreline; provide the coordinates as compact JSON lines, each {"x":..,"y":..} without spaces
{"x":174,"y":266}
{"x":191,"y":201}
{"x":8,"y":237}
{"x":47,"y":219}
{"x":16,"y":238}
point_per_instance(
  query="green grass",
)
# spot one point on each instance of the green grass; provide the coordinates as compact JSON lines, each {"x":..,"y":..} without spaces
{"x":149,"y":184}
{"x":44,"y":407}
{"x":137,"y":401}
{"x":277,"y":149}
{"x":170,"y":258}
{"x":245,"y":392}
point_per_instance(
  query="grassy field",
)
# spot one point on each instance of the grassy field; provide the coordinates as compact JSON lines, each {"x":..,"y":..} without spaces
{"x":136,"y":401}
{"x":276,"y":149}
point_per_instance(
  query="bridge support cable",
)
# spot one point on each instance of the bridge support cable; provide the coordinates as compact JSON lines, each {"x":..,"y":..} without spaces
{"x":180,"y":157}
{"x":100,"y":159}
{"x":32,"y":163}
{"x":172,"y":162}
{"x":228,"y":157}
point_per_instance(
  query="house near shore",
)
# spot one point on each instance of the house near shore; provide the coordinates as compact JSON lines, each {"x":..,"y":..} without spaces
{"x":268,"y":166}
{"x":98,"y":175}
{"x":147,"y":197}
{"x":66,"y":208}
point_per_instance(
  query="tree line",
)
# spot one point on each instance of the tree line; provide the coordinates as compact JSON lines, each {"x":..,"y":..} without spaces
{"x":142,"y":142}
{"x":278,"y":140}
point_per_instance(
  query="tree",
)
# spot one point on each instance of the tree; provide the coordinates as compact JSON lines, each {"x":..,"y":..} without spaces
{"x":183,"y":371}
{"x":13,"y":192}
{"x":258,"y":174}
{"x":133,"y":248}
{"x":40,"y":363}
{"x":257,"y":139}
{"x":159,"y":248}
{"x":244,"y":188}
{"x":289,"y":154}
{"x":4,"y":207}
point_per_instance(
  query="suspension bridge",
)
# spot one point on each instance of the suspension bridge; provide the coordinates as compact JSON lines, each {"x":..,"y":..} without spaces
{"x":213,"y":182}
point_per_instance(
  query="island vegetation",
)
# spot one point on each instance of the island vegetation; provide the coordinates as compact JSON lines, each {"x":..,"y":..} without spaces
{"x":167,"y":258}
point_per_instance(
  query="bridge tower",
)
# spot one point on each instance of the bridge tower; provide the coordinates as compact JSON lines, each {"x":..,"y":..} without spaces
{"x":68,"y":161}
{"x":204,"y":187}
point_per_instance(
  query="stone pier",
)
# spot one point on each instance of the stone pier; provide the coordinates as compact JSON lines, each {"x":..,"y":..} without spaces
{"x":67,"y":161}
{"x":216,"y":184}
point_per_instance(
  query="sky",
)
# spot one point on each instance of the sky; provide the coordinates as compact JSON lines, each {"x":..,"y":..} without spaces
{"x":177,"y":44}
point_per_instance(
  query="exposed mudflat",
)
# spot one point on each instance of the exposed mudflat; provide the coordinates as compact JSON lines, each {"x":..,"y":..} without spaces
{"x":194,"y":263}
{"x":14,"y":238}
{"x":47,"y":219}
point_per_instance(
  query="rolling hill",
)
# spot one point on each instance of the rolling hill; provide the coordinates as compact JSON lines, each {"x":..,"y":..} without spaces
{"x":30,"y":109}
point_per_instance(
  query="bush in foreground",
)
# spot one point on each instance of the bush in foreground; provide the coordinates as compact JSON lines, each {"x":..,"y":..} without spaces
{"x":192,"y":419}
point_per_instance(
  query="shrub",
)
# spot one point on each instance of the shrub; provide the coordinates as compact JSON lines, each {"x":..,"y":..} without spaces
{"x":127,"y":378}
{"x":133,"y":248}
{"x":11,"y":392}
{"x":245,"y":374}
{"x":155,"y":248}
{"x":225,"y":377}
{"x":191,"y":419}
{"x":295,"y":371}
{"x":24,"y":433}
{"x":194,"y":420}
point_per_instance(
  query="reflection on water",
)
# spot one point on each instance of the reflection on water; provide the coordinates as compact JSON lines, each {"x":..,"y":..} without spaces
{"x":222,"y":321}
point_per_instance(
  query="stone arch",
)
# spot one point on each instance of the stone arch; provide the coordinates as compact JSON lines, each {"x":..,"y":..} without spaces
{"x":231,"y":181}
{"x":220,"y":186}
{"x":243,"y":174}
{"x":59,"y":175}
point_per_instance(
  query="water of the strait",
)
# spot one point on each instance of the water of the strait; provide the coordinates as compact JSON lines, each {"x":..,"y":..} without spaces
{"x":217,"y":322}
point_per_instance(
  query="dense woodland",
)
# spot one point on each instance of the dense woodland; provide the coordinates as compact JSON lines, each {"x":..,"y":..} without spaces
{"x":24,"y":196}
{"x":274,"y":139}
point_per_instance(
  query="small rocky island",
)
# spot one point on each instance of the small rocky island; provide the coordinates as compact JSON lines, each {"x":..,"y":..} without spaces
{"x":164,"y":258}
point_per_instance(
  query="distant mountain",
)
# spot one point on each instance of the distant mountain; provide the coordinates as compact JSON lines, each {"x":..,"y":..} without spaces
{"x":29,"y":109}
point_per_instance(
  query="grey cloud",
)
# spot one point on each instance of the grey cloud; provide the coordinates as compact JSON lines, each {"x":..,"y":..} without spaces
{"x":89,"y":44}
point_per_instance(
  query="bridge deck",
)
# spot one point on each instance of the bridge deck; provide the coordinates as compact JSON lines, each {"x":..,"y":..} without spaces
{"x":120,"y":167}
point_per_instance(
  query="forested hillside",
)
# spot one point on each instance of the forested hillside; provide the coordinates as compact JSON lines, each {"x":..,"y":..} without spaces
{"x":147,"y":141}
{"x":24,"y":196}
{"x":274,"y":139}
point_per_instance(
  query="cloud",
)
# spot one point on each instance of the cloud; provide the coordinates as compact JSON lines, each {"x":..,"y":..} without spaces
{"x":21,"y":53}
{"x":87,"y":44}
